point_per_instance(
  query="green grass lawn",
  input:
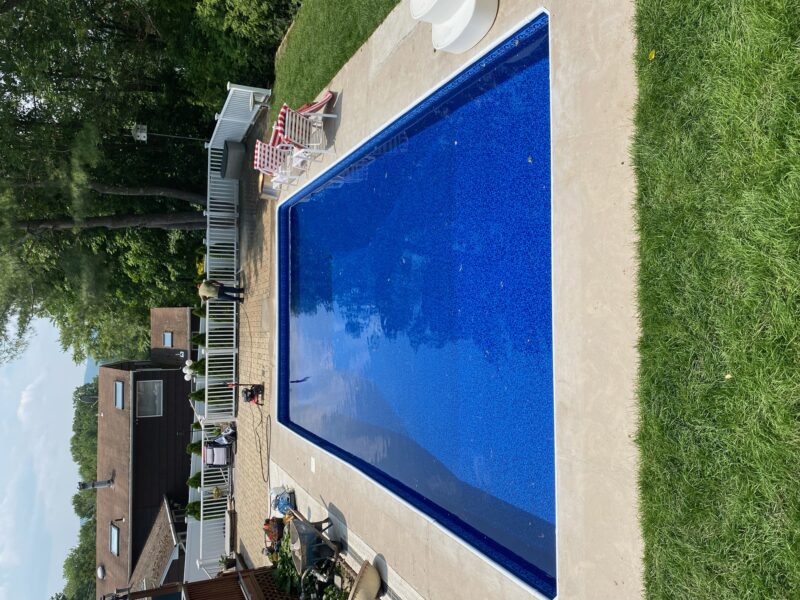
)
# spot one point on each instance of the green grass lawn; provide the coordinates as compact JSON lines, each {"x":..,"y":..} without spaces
{"x":717,"y":155}
{"x":325,"y":34}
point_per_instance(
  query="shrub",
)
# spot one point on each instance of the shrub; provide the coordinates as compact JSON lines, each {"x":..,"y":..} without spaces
{"x":261,"y":23}
{"x":334,"y":593}
{"x":285,"y":573}
{"x":193,"y":510}
{"x":194,"y":447}
{"x":194,"y":480}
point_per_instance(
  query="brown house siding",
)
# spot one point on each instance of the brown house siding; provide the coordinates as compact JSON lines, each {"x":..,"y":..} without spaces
{"x":177,"y":320}
{"x":161,"y":465}
{"x":113,"y":440}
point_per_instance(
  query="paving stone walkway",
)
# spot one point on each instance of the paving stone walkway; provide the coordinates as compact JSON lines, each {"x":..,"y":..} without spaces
{"x":255,"y":362}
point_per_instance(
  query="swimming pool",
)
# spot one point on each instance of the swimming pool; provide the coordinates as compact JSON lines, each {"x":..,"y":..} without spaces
{"x":415,"y":335}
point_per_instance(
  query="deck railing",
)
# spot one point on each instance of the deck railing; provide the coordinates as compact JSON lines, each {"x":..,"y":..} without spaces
{"x":238,"y":113}
{"x":221,"y":355}
{"x":222,"y":251}
{"x":222,"y":221}
{"x":215,"y":489}
{"x":221,"y":344}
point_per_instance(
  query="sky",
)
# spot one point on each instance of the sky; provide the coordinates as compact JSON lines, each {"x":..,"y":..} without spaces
{"x":37,"y":523}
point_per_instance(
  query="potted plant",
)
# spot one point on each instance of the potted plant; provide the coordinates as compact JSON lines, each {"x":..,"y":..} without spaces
{"x":193,"y":510}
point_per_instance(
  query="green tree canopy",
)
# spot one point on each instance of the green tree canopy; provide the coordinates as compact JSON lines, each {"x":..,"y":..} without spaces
{"x":79,"y":567}
{"x":96,"y":228}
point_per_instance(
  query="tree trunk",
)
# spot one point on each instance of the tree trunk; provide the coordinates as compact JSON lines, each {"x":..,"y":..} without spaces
{"x":182,"y":220}
{"x":113,"y":190}
{"x":163,"y":192}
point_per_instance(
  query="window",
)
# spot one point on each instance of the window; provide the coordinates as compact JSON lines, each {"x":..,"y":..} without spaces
{"x":119,"y":394}
{"x":167,"y":339}
{"x":149,"y":398}
{"x":113,"y":539}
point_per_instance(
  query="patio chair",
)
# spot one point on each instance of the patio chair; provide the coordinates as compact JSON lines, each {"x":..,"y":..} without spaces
{"x":305,"y":131}
{"x":312,"y":107}
{"x":217,"y":455}
{"x":278,"y":161}
{"x":367,"y":583}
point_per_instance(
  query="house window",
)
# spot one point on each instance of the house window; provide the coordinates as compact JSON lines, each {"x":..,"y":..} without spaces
{"x":149,"y":398}
{"x":119,"y":394}
{"x":167,"y":339}
{"x":113,"y":539}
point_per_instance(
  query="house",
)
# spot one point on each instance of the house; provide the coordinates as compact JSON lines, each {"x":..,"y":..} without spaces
{"x":143,"y":427}
{"x":248,"y":584}
{"x":171,"y":334}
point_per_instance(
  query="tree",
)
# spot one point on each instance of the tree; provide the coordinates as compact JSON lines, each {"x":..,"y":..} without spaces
{"x":76,"y":190}
{"x":79,"y":565}
{"x":173,"y":220}
{"x":83,"y":444}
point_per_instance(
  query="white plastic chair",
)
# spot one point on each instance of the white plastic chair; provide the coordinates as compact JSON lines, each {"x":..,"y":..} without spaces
{"x":305,"y":131}
{"x":279,"y":162}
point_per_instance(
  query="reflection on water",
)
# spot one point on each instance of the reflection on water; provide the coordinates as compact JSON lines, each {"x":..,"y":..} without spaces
{"x":419,"y":331}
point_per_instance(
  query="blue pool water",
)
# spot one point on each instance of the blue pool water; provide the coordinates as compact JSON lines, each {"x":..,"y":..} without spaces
{"x":415,"y":308}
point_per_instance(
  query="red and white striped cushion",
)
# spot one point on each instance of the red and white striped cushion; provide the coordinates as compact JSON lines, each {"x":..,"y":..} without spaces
{"x":280,"y":127}
{"x":261,"y":157}
{"x":315,"y":106}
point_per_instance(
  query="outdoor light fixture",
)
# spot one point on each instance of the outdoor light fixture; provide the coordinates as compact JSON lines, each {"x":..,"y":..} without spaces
{"x":139,"y":133}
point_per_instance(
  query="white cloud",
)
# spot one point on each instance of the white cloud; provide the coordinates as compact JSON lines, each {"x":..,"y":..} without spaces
{"x":47,"y":427}
{"x":27,"y":398}
{"x":37,"y":522}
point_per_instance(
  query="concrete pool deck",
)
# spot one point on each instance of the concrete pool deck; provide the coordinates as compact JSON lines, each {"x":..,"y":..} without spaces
{"x":599,"y":544}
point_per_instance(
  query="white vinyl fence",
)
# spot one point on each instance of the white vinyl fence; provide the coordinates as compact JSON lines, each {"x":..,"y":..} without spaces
{"x":221,"y":347}
{"x":222,"y":251}
{"x":215,"y":490}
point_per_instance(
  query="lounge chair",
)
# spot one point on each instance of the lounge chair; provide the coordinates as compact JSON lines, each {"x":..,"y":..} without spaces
{"x":297,"y":138}
{"x":308,"y":110}
{"x":312,"y":107}
{"x":278,"y":162}
{"x":305,"y":131}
